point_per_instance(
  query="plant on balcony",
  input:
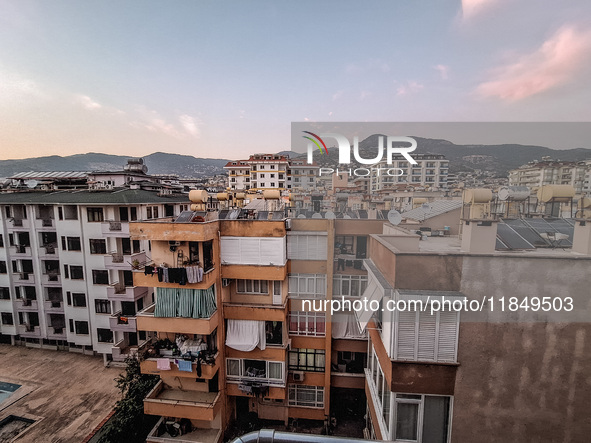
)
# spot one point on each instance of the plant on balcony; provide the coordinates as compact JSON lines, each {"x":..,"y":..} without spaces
{"x":135,"y":263}
{"x":129,"y":424}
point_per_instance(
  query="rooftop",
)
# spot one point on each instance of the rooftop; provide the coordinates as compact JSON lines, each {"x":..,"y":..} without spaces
{"x":433,"y":209}
{"x":118,"y":196}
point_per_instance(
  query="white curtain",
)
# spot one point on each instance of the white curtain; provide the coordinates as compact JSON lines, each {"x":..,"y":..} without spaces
{"x":245,"y":335}
{"x":345,"y":326}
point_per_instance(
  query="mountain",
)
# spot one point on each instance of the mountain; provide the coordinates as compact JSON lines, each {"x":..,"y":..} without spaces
{"x":158,"y":163}
{"x":497,"y":158}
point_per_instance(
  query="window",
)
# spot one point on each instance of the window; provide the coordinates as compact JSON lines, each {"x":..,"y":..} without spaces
{"x":79,"y":299}
{"x":95,"y":214}
{"x":70,"y":212}
{"x":4,"y":293}
{"x":71,"y":322}
{"x":307,"y":285}
{"x":102,"y":306}
{"x":1,"y":241}
{"x":100,"y":277}
{"x":307,"y":323}
{"x":98,"y":246}
{"x":307,"y":360}
{"x":349,"y":285}
{"x":421,"y":418}
{"x":422,"y":336}
{"x":243,"y":368}
{"x":76,"y":272}
{"x":306,"y":247}
{"x":7,"y":318}
{"x":81,"y":327}
{"x":104,"y":335}
{"x":151,"y":212}
{"x":253,"y":250}
{"x":306,"y":396}
{"x":3,"y":267}
{"x":74,"y":244}
{"x":69,"y":298}
{"x":66,"y":271}
{"x":252,"y":287}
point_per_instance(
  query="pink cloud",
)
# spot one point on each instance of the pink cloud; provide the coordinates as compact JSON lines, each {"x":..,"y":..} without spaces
{"x":553,"y":64}
{"x":410,"y":87}
{"x":471,"y":8}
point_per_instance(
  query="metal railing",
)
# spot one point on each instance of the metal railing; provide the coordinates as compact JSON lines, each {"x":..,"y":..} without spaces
{"x":272,"y":436}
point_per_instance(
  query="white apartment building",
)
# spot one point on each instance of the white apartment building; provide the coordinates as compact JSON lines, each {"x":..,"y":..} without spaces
{"x":552,"y":172}
{"x":271,"y":171}
{"x":430,"y":171}
{"x":65,"y":267}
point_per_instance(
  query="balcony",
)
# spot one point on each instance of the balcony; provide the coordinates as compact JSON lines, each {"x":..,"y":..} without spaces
{"x":115,"y":229}
{"x":121,"y":350}
{"x":149,"y":366}
{"x":21,"y":251}
{"x":56,"y":333}
{"x":119,"y":292}
{"x":262,"y":272}
{"x":241,"y":311}
{"x":44,"y":224}
{"x":166,"y":230}
{"x":51,"y":279}
{"x":119,"y":261}
{"x":53,"y":306}
{"x":29,"y":331}
{"x":48,"y":251}
{"x":24,"y":277}
{"x":26,"y":304}
{"x":146,"y":321}
{"x":140,"y":279}
{"x":18,"y":223}
{"x":167,"y":402}
{"x":195,"y":435}
{"x":119,"y":322}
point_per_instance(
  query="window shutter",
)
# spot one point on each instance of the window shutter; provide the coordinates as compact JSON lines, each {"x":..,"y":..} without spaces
{"x":407,"y":335}
{"x":250,"y":251}
{"x":447,"y":336}
{"x":230,"y":250}
{"x":427,"y":332}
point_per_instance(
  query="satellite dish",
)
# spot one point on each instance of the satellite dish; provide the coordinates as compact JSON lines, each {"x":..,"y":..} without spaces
{"x":394,"y":217}
{"x":316,"y":215}
{"x":426,"y":207}
{"x":330,"y":215}
{"x":31,"y":184}
{"x":346,"y":216}
{"x":301,"y":216}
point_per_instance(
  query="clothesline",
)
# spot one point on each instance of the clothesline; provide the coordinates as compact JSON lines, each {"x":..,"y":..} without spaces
{"x":182,"y":275}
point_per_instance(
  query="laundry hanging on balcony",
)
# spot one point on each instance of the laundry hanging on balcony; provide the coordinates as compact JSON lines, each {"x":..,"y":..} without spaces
{"x":188,"y":303}
{"x":345,"y":326}
{"x":245,"y":335}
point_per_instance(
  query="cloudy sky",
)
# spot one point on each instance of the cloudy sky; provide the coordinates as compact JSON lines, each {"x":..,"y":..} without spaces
{"x":227,"y":78}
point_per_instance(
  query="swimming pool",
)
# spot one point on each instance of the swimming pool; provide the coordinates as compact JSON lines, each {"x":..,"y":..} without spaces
{"x":7,"y":389}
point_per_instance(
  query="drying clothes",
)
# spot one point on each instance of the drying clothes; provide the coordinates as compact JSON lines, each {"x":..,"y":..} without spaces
{"x":185,"y":365}
{"x":200,"y":274}
{"x":163,"y":364}
{"x":194,"y":274}
{"x":149,"y":270}
{"x":198,"y":367}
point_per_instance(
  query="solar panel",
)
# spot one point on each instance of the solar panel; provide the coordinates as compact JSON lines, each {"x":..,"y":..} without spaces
{"x":278,"y":215}
{"x":185,"y":217}
{"x":233,"y":215}
{"x":511,"y":238}
{"x":351,"y":214}
{"x":500,"y":246}
{"x":262,"y":215}
{"x":223,"y":214}
{"x":362,"y":213}
{"x":525,"y":231}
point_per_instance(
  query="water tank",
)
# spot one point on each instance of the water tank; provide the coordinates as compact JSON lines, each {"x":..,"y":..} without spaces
{"x":198,"y":196}
{"x":556,"y":193}
{"x":271,"y":195}
{"x":240,"y":196}
{"x":222,"y":196}
{"x":515,"y":193}
{"x":477,"y":195}
{"x":419,"y":201}
{"x":196,"y":208}
{"x":585,"y":203}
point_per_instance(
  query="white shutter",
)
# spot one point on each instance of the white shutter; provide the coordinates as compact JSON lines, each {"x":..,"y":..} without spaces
{"x":447,"y":336}
{"x":230,"y":249}
{"x":292,"y":246}
{"x":312,"y":250}
{"x":426,"y":339}
{"x":322,"y":247}
{"x":250,"y":251}
{"x":273,"y":251}
{"x":406,"y":335}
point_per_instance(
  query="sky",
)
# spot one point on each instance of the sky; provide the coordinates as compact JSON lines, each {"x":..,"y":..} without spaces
{"x":224,"y":79}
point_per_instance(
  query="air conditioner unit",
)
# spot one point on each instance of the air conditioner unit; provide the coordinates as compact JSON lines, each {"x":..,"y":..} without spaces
{"x":298,"y":375}
{"x":226,"y":282}
{"x":288,"y":224}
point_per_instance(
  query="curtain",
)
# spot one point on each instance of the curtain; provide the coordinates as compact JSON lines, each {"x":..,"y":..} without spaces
{"x":345,"y":326}
{"x":245,"y":335}
{"x":187,"y":303}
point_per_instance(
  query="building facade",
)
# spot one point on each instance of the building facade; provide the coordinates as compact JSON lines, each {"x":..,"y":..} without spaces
{"x":430,"y":171}
{"x":552,"y":172}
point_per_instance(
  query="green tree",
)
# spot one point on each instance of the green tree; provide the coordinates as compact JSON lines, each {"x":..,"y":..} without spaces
{"x":129,"y":424}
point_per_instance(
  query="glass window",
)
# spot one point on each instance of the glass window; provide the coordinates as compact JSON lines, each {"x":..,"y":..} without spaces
{"x":104,"y":335}
{"x":95,"y":214}
{"x":74,"y":244}
{"x":76,"y":272}
{"x":98,"y":246}
{"x":102,"y":306}
{"x":79,"y":299}
{"x":407,"y":416}
{"x":81,"y":327}
{"x":100,"y":277}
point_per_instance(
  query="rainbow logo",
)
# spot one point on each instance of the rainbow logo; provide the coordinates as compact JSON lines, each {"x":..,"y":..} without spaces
{"x":315,"y":142}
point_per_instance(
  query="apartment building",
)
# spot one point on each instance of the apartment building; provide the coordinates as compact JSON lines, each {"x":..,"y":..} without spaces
{"x":259,"y":350}
{"x":65,"y":267}
{"x":271,"y":171}
{"x":552,"y":172}
{"x":430,"y":171}
{"x":500,"y":374}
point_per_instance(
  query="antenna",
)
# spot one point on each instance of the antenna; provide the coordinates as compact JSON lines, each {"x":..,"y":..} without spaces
{"x":394,"y":217}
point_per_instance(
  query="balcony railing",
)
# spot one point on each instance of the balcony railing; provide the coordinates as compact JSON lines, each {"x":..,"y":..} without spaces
{"x":124,"y":323}
{"x":119,"y":292}
{"x":164,"y":401}
{"x":115,"y":228}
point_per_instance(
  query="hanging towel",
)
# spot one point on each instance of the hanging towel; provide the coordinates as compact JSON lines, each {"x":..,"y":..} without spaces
{"x":149,"y":270}
{"x":185,"y":365}
{"x":163,"y":364}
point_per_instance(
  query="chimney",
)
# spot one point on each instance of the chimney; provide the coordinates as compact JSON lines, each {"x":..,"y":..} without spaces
{"x":479,"y":229}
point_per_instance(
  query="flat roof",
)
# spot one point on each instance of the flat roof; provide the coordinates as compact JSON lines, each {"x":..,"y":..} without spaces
{"x":121,"y":196}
